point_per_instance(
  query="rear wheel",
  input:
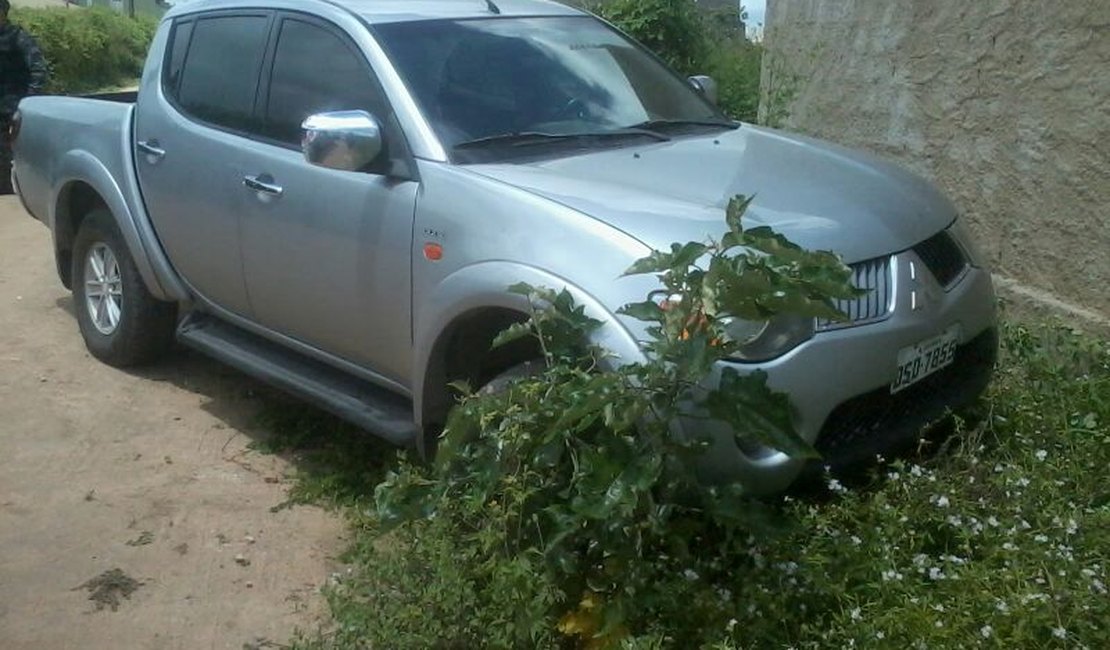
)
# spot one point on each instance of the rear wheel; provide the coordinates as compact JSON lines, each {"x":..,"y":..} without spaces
{"x":122,"y":324}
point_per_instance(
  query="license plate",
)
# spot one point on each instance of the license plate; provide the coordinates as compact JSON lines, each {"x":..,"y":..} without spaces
{"x":920,"y":360}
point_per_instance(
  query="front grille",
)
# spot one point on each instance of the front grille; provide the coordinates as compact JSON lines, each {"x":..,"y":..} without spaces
{"x":874,"y":277}
{"x":878,"y":422}
{"x":943,"y":256}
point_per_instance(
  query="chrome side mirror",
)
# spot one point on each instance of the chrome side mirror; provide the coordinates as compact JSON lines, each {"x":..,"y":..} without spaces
{"x":345,"y":140}
{"x":705,"y":85}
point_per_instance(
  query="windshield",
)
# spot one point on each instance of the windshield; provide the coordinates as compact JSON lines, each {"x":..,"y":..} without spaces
{"x":477,"y":80}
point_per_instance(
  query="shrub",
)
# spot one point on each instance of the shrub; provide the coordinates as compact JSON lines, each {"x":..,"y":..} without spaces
{"x":566,"y":505}
{"x":673,"y":29}
{"x":88,"y":49}
{"x":694,"y":43}
{"x":736,"y":65}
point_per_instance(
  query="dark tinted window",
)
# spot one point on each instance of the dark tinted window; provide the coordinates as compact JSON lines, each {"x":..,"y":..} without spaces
{"x":220,"y":75}
{"x":176,"y":58}
{"x":314,"y":71}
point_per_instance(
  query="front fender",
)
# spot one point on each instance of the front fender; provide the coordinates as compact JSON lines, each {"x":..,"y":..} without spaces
{"x":485,"y":285}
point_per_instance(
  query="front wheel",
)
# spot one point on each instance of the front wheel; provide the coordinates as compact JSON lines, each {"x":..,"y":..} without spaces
{"x":122,"y":324}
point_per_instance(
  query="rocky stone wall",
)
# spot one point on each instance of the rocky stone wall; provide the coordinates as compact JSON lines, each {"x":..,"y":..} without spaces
{"x":1004,"y":103}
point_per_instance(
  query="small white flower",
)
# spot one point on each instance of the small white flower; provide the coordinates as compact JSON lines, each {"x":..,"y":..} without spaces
{"x":993,"y":522}
{"x":916,"y":470}
{"x":835,"y":486}
{"x":1041,"y":454}
{"x":942,"y":501}
{"x":690,"y":575}
{"x":1073,"y":527}
{"x":1059,"y":633}
{"x":940,"y":623}
{"x":856,"y":614}
{"x":731,"y":624}
{"x":986,"y":631}
{"x":880,"y":635}
{"x":936,"y":574}
{"x":1041,"y":538}
{"x":856,"y":540}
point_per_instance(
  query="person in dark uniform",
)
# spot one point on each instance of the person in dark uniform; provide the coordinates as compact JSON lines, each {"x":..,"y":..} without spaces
{"x":22,"y":72}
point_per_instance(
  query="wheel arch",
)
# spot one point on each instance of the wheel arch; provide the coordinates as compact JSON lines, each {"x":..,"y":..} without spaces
{"x":85,"y":184}
{"x":463,"y":314}
{"x":76,"y":200}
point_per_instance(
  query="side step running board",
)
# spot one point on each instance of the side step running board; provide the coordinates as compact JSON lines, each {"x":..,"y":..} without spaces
{"x":375,"y":409}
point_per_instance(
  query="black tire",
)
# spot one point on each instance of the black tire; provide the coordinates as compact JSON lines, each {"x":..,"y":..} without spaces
{"x":427,"y":443}
{"x":503,"y":380}
{"x":144,"y":327}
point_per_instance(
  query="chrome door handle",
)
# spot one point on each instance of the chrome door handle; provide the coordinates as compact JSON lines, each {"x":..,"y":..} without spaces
{"x":151,"y":148}
{"x":262,"y":183}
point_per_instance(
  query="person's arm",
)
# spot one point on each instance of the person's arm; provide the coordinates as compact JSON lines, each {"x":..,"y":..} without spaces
{"x":36,"y":62}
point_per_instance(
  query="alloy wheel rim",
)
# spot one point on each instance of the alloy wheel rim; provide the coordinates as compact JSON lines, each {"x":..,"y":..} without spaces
{"x":103,"y":288}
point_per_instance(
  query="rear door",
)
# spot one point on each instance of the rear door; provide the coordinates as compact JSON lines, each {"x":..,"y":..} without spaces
{"x":326,"y":253}
{"x":192,"y":130}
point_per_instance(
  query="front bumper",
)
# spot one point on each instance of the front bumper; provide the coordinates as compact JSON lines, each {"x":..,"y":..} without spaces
{"x":839,"y":380}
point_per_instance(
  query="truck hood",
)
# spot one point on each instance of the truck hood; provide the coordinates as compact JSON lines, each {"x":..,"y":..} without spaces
{"x":819,"y":195}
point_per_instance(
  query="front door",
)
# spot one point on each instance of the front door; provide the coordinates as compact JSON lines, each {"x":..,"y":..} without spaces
{"x":326,"y":253}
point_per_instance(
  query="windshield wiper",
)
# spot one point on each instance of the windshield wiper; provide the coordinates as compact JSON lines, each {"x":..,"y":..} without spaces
{"x":526,"y":138}
{"x":657,"y":125}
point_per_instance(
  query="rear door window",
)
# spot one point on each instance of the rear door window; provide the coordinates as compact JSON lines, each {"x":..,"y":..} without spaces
{"x":219,"y":79}
{"x":175,"y":59}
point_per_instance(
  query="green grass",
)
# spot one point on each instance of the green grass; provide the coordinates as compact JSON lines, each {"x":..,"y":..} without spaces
{"x":1001,"y":539}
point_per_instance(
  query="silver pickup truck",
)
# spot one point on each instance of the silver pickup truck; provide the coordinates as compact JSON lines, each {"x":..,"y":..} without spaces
{"x":335,"y":195}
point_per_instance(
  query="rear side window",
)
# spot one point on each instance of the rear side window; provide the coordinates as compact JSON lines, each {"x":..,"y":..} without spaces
{"x":219,"y":78}
{"x":315,"y":71}
{"x":175,"y":59}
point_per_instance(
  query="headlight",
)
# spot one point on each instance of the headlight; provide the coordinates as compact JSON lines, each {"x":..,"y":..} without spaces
{"x":765,"y":340}
{"x":962,"y":234}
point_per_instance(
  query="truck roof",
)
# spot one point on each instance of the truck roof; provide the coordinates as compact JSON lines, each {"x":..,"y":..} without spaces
{"x":390,"y":11}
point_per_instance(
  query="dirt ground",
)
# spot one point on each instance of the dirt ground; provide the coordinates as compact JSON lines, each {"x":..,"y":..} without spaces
{"x":148,"y":472}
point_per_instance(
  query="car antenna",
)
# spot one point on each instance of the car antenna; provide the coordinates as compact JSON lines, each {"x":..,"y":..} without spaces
{"x":493,"y":9}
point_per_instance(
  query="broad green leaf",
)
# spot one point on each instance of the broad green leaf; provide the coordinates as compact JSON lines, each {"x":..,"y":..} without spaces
{"x":645,"y":311}
{"x":683,"y":256}
{"x":753,"y":409}
{"x":655,"y":262}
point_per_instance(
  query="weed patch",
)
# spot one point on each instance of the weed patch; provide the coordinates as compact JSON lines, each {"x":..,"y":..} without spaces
{"x":109,"y":587}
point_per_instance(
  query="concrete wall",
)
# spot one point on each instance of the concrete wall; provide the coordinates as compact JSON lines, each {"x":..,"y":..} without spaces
{"x":1004,"y":103}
